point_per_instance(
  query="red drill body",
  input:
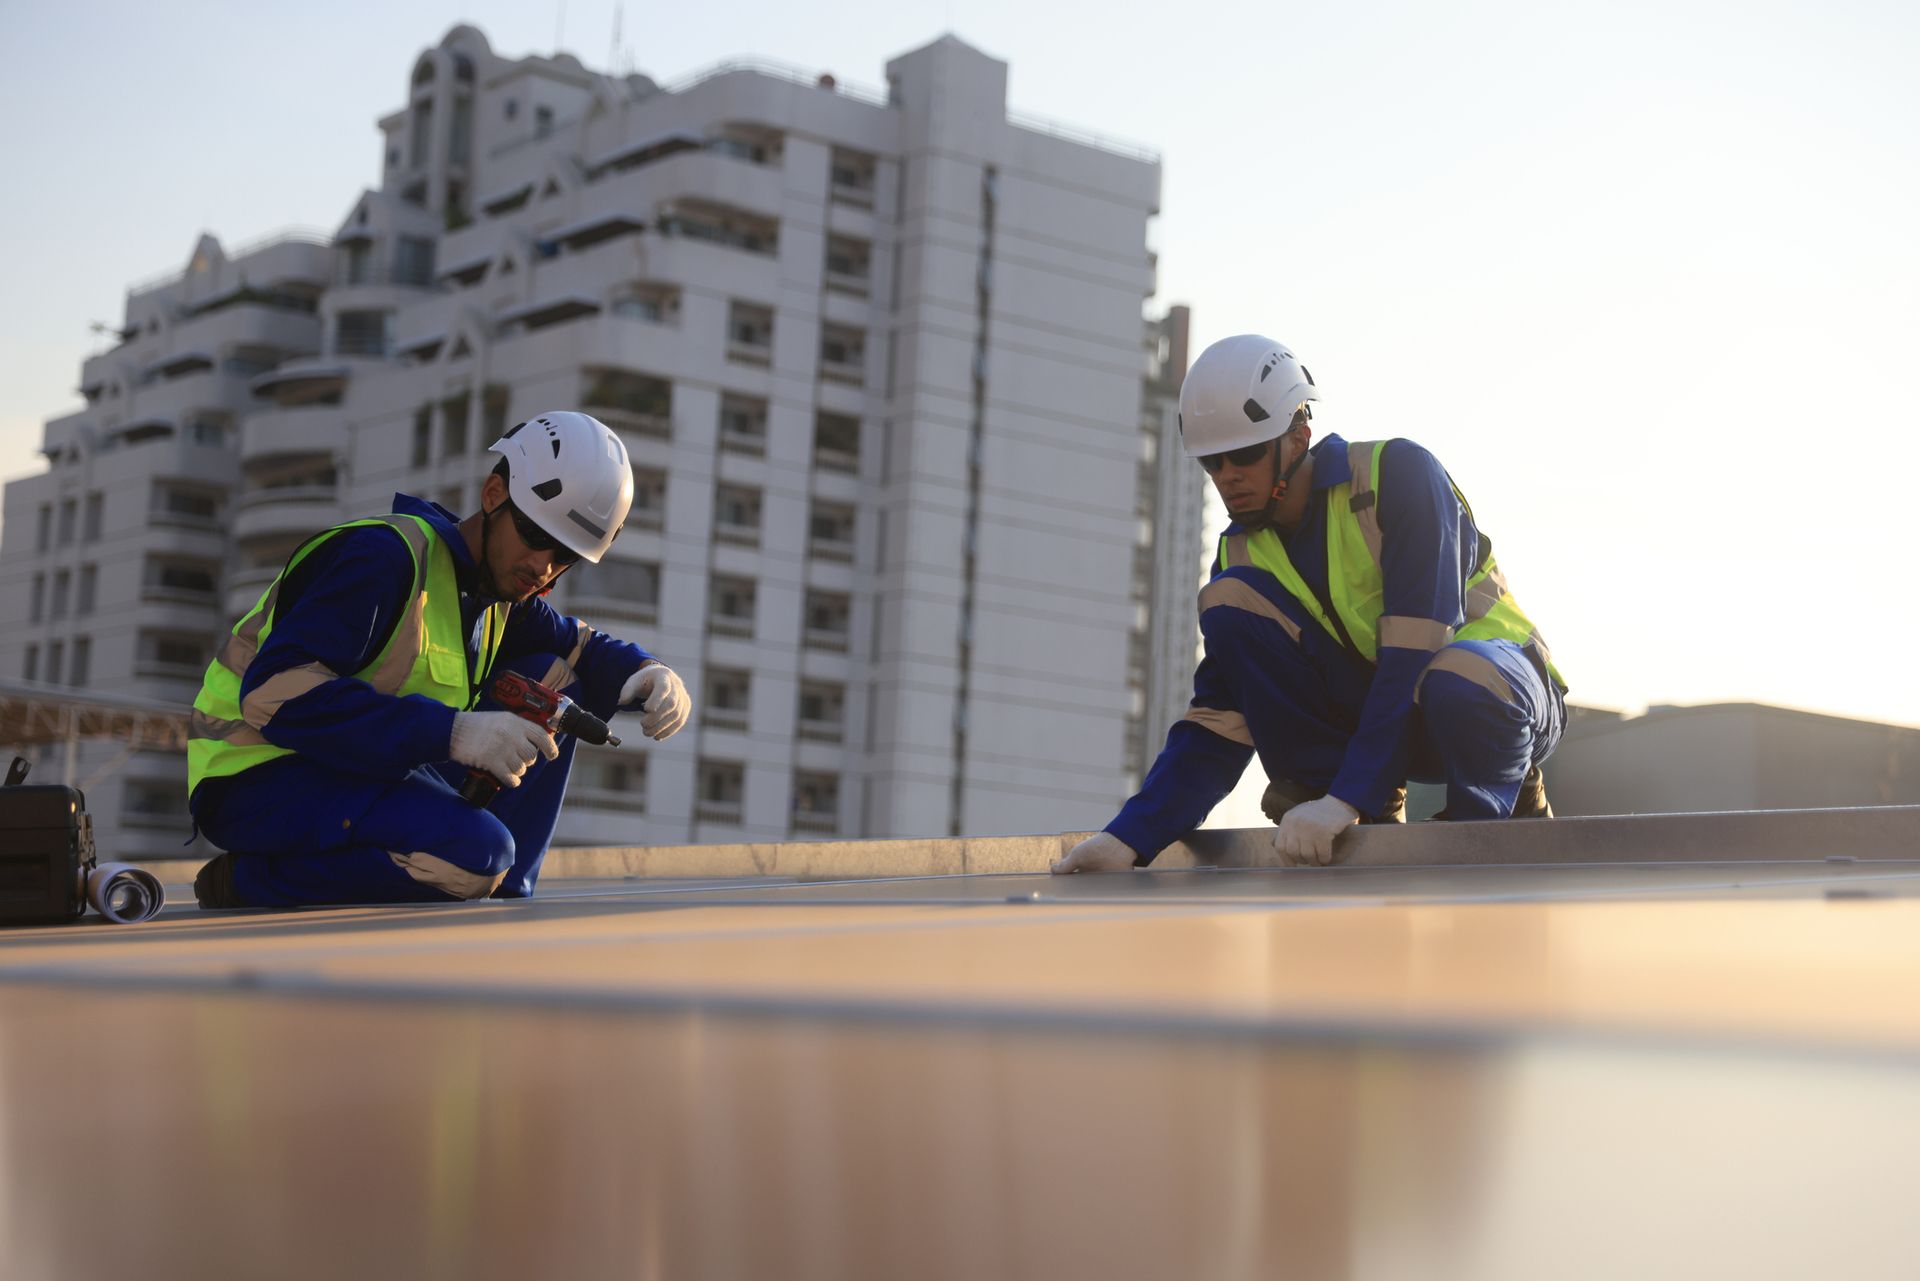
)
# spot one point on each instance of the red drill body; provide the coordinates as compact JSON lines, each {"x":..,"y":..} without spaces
{"x":553,"y":712}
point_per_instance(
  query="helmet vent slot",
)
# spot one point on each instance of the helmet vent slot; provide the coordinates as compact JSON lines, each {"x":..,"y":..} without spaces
{"x":548,"y":490}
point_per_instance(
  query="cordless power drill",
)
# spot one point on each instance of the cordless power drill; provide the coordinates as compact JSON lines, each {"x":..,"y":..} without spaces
{"x":554,"y":713}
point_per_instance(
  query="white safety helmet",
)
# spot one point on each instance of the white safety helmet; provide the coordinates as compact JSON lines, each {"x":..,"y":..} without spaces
{"x":1242,"y":391}
{"x":569,"y":474}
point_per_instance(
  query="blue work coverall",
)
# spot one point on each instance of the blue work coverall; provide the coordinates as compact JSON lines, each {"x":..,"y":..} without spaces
{"x":369,"y":775}
{"x":1319,"y":713}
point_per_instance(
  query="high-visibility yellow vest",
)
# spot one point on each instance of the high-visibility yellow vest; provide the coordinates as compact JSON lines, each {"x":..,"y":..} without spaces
{"x":426,"y":654}
{"x":1356,"y":584}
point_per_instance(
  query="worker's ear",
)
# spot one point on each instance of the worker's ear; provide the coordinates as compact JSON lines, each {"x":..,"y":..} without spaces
{"x":492,"y":494}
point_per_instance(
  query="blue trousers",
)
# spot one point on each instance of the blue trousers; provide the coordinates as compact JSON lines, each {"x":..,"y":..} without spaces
{"x":305,"y":834}
{"x":1484,"y":711}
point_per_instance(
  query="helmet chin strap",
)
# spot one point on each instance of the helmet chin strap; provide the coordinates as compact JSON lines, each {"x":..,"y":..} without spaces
{"x":486,"y":565}
{"x":1268,"y":513}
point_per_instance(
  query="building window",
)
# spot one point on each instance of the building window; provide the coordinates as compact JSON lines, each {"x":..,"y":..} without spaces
{"x":830,"y":530}
{"x":721,"y":225}
{"x":413,"y":261}
{"x":816,"y":801}
{"x":755,"y":144}
{"x":638,"y":403}
{"x":207,"y":430}
{"x":493,"y":413}
{"x":422,"y":435}
{"x":750,"y":333}
{"x":171,"y":656}
{"x":180,"y":505}
{"x":89,"y":584}
{"x":358,"y":267}
{"x":823,"y":710}
{"x":836,"y":442}
{"x":453,"y":425}
{"x":627,"y":587}
{"x":728,"y":693}
{"x":82,"y":660}
{"x":361,"y":333}
{"x":649,"y":510}
{"x":829,"y":619}
{"x":743,"y":424}
{"x":43,"y":531}
{"x":723,"y":784}
{"x":851,"y":177}
{"x":611,"y":780}
{"x":96,"y":511}
{"x":843,"y":354}
{"x":422,"y":133}
{"x":542,"y":121}
{"x":30,"y":664}
{"x":181,"y":581}
{"x":62,"y":588}
{"x":69,"y":513}
{"x":645,"y":300}
{"x":849,"y":265}
{"x":56,"y":653}
{"x":736,"y":514}
{"x":730,"y":606}
{"x":37,"y":601}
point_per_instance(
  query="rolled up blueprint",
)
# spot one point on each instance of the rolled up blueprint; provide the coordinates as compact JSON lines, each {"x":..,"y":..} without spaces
{"x":124,"y":894}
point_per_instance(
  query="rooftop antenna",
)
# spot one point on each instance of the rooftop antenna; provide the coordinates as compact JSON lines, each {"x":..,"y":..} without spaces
{"x":560,"y":26}
{"x":613,"y":47}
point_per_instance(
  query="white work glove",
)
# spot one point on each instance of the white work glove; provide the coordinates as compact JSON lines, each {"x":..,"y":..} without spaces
{"x":500,"y":743}
{"x":1101,"y":852}
{"x":664,"y":705}
{"x":1307,"y":831}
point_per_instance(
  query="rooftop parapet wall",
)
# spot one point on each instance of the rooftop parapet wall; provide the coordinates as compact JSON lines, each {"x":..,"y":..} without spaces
{"x":1888,"y":833}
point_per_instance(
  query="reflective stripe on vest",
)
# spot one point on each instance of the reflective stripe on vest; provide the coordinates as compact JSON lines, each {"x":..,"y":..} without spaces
{"x":426,"y":654}
{"x":1356,"y":584}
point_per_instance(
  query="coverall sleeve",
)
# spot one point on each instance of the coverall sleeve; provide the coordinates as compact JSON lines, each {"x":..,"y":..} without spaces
{"x":1193,"y":773}
{"x":334,"y":615}
{"x":600,"y":662}
{"x":1428,"y":551}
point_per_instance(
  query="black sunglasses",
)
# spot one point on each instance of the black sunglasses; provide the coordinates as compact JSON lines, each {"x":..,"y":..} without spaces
{"x":1246,"y":456}
{"x":538,"y":539}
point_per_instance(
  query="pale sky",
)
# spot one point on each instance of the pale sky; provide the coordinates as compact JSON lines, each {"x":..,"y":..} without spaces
{"x":1644,"y":276}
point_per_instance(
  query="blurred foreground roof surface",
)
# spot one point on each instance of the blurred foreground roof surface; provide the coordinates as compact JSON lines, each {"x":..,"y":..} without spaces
{"x":1641,"y":1051}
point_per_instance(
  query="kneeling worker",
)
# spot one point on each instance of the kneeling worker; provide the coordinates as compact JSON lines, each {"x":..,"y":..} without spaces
{"x":1358,"y":633}
{"x":342,"y":714}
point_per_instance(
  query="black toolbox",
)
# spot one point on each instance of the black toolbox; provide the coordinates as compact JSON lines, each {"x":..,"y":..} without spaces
{"x":46,"y":848}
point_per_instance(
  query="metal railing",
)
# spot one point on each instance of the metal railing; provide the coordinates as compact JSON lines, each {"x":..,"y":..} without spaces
{"x":285,"y":235}
{"x":780,"y":71}
{"x":1085,"y":137}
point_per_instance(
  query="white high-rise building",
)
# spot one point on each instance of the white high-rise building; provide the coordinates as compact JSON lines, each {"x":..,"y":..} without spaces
{"x":908,"y":517}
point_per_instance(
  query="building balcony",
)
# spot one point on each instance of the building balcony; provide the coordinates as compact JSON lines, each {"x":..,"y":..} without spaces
{"x":308,"y":430}
{"x":821,"y":731}
{"x":815,"y":821}
{"x":295,"y":511}
{"x":303,"y":380}
{"x":157,"y":669}
{"x":244,"y":588}
{"x":827,"y":638}
{"x":250,"y":325}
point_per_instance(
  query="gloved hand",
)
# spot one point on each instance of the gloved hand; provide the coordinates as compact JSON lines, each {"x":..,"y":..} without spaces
{"x":501,"y":743}
{"x":1307,"y":831}
{"x":1101,"y":852}
{"x":663,"y":700}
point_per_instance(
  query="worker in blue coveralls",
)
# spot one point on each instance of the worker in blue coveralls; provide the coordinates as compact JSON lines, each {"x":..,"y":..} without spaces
{"x":338,"y":722}
{"x":1358,"y":633}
